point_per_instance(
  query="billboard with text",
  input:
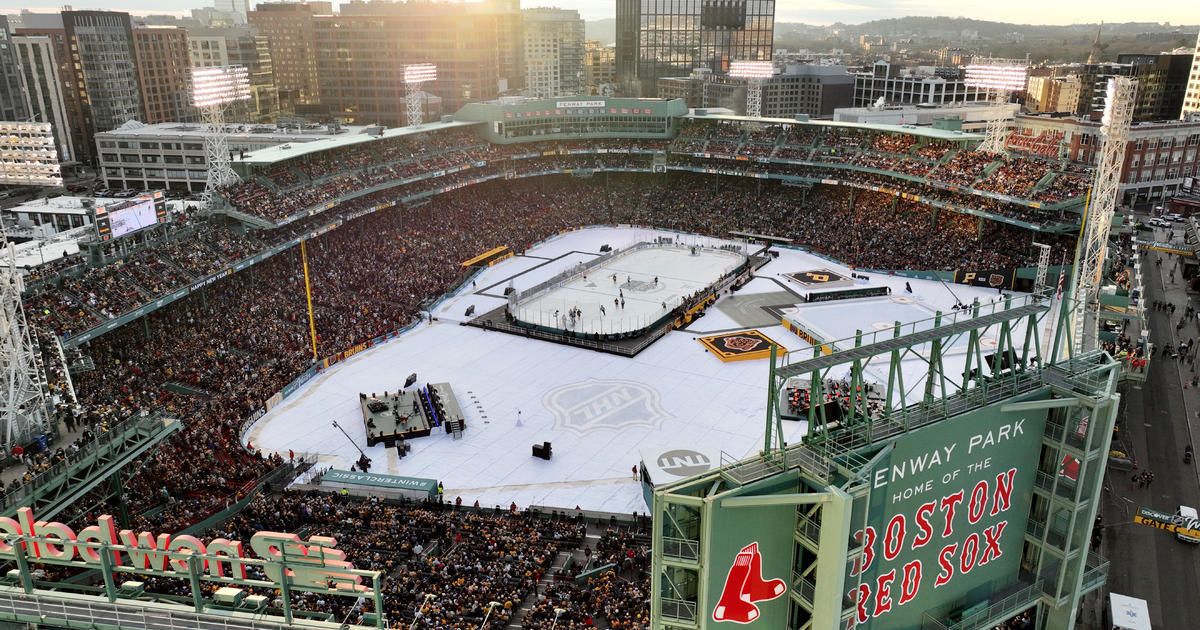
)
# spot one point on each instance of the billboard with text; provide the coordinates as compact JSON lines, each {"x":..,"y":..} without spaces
{"x":946,"y":517}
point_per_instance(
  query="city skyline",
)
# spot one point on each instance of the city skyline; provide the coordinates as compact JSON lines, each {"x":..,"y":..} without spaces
{"x":827,"y":12}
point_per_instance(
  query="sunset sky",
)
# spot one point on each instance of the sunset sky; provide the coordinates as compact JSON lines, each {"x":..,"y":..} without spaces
{"x":812,"y":12}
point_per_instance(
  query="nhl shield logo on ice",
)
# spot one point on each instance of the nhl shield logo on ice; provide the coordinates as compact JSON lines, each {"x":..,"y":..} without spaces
{"x":610,"y":404}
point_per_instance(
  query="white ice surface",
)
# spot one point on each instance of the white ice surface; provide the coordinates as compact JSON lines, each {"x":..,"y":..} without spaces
{"x":598,"y":410}
{"x":630,"y":291}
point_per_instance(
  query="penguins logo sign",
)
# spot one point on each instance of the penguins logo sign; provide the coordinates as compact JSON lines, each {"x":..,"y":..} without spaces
{"x":744,"y":587}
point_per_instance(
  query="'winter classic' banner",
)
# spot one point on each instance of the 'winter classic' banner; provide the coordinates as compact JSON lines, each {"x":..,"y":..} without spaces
{"x":946,"y":517}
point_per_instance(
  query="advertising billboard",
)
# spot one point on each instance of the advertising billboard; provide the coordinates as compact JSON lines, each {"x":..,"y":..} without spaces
{"x":946,"y":517}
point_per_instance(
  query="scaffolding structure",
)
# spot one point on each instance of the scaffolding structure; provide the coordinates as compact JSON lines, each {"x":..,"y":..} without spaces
{"x":996,"y":134}
{"x":1102,"y":205}
{"x":23,"y":410}
{"x":214,"y":89}
{"x":416,"y":75}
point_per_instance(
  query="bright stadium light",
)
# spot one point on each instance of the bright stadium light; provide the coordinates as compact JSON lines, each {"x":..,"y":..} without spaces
{"x":997,"y":76}
{"x":1110,"y":97}
{"x":1000,"y":77}
{"x":418,"y":73}
{"x":754,"y":72}
{"x":220,"y":85}
{"x":751,"y":69}
{"x":212,"y":90}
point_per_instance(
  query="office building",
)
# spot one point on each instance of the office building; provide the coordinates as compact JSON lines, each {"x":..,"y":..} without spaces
{"x":895,"y":85}
{"x":104,"y":72}
{"x":1048,"y":93}
{"x":1162,"y":83}
{"x":1191,"y":99}
{"x":239,"y":46}
{"x":600,"y":68}
{"x":361,"y":54}
{"x":670,"y":39}
{"x":554,"y":53}
{"x":43,"y":85}
{"x":164,"y":73}
{"x":288,"y":28}
{"x":14,"y":102}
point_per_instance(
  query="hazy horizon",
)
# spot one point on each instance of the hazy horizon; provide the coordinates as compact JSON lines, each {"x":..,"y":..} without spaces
{"x":826,"y":12}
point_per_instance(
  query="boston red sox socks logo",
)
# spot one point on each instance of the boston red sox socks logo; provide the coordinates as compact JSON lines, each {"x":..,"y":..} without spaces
{"x":744,"y":587}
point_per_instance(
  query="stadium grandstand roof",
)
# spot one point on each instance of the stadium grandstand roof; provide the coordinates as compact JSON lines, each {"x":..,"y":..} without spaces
{"x":287,"y":151}
{"x":255,"y":131}
{"x":928,"y":132}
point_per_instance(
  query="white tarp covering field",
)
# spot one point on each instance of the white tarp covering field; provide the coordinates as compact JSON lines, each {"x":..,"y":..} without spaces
{"x":599,"y":411}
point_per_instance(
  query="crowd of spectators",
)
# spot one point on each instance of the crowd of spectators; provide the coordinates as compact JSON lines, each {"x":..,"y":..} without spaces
{"x":447,"y":567}
{"x":1015,"y":177}
{"x":964,"y":168}
{"x":279,"y":192}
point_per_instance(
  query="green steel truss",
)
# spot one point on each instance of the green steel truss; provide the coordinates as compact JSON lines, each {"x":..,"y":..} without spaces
{"x":64,"y":483}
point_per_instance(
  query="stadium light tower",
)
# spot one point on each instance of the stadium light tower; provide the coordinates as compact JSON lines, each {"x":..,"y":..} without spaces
{"x":416,"y":75}
{"x":1102,"y":205}
{"x":213,"y":89}
{"x":23,"y":411}
{"x":756,"y":73}
{"x":1000,"y":77}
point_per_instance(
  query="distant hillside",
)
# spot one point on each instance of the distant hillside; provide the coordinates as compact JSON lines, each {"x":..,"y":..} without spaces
{"x":1002,"y":39}
{"x":604,"y":30}
{"x":1041,"y":42}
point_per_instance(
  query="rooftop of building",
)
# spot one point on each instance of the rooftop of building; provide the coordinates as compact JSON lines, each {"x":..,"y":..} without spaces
{"x":1065,"y":118}
{"x":237,"y":131}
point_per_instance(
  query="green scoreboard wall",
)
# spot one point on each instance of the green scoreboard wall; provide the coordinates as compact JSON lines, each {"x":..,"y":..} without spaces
{"x":945,"y":517}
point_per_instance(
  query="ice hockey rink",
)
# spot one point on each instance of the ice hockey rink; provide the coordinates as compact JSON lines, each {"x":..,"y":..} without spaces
{"x":630,"y":291}
{"x":602,"y":413}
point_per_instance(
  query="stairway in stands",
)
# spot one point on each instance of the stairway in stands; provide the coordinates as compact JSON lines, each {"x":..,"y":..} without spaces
{"x":519,"y":616}
{"x":455,"y":427}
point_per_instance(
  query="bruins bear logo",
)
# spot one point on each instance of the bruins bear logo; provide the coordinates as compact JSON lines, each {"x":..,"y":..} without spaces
{"x":742,"y":344}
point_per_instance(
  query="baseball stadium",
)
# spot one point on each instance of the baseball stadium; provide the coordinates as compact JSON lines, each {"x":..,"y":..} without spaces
{"x":579,"y":364}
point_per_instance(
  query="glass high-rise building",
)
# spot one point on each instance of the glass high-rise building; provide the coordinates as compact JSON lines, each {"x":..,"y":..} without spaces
{"x":669,"y":38}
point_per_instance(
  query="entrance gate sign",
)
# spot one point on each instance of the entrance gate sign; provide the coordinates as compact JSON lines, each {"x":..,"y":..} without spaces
{"x":1170,"y":522}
